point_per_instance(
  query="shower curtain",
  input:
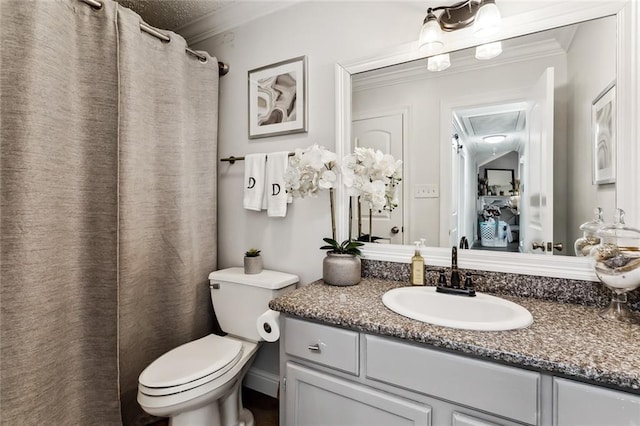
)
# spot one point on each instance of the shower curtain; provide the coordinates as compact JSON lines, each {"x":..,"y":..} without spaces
{"x":108,"y":208}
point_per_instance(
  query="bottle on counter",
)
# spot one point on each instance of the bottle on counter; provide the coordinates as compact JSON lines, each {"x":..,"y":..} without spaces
{"x":417,"y":266}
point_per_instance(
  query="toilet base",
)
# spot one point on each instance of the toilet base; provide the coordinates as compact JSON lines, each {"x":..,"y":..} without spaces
{"x":225,"y":412}
{"x":201,"y":416}
{"x":205,"y":415}
{"x":246,"y":418}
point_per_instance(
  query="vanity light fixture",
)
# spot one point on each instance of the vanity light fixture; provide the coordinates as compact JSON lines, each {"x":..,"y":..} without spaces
{"x":439,"y":62}
{"x":430,"y":40}
{"x":494,"y":138}
{"x":489,"y":50}
{"x":488,"y":19}
{"x":482,"y":14}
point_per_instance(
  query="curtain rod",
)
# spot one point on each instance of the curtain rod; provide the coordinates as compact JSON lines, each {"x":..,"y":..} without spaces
{"x":223,"y":68}
{"x":233,"y":159}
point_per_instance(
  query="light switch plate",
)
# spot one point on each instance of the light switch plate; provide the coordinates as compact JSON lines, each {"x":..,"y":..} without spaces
{"x":426,"y":191}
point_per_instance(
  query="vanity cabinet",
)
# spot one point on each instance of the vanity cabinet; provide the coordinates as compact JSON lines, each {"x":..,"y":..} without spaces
{"x":333,"y":376}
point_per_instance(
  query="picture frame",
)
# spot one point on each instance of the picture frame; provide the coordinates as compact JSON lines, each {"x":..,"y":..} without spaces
{"x":603,"y":136}
{"x":278,"y":98}
{"x":502,"y":179}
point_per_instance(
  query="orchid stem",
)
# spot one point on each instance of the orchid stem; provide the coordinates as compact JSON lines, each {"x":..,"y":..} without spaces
{"x":350,"y":217}
{"x":333,"y":213}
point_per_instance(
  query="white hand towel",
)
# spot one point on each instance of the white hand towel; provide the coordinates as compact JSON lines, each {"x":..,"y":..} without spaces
{"x":277,"y":164}
{"x":509,"y":233}
{"x":254,"y":181}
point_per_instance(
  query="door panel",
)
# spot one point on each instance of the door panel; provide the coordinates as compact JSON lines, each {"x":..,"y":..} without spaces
{"x":537,"y":189}
{"x":384,"y":133}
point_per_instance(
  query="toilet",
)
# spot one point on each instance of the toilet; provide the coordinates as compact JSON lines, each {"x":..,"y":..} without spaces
{"x":199,"y":383}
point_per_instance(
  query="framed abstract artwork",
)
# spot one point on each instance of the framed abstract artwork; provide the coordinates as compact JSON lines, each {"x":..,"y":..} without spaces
{"x":603,"y":136}
{"x":278,"y":98}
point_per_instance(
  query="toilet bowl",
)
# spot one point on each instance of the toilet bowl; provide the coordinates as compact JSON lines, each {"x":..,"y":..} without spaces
{"x":181,"y":385}
{"x":199,"y":382}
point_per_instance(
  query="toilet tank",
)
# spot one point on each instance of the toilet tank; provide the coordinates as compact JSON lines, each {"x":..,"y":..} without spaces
{"x":239,"y":299}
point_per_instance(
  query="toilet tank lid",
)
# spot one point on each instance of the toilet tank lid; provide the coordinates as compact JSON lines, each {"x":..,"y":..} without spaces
{"x":272,"y":280}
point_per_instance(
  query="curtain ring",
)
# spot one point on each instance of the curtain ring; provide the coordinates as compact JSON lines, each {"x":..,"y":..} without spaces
{"x":95,"y":5}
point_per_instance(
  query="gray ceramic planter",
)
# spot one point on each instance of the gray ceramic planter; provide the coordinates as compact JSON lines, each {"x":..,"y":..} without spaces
{"x":252,"y":265}
{"x":341,"y":269}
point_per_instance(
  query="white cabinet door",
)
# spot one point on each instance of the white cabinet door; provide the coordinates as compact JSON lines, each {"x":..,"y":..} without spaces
{"x":315,"y":399}
{"x":578,"y":404}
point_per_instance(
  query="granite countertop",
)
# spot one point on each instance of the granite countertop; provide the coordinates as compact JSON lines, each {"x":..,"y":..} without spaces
{"x":566,"y":339}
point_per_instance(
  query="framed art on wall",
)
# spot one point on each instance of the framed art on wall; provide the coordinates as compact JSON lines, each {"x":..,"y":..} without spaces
{"x":278,"y":98}
{"x":603,"y":134}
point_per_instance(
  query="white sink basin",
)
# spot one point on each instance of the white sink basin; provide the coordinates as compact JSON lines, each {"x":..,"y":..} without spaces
{"x":482,"y":312}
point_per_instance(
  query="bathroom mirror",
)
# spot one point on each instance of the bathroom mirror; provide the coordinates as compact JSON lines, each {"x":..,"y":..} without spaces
{"x":623,"y":193}
{"x":476,"y":116}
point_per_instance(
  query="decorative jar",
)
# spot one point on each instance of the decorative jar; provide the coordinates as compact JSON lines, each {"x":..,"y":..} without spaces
{"x":617,"y":264}
{"x":589,"y":240}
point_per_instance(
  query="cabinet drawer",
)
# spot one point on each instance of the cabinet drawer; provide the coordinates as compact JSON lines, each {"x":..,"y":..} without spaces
{"x":330,"y":346}
{"x":500,"y":390}
{"x":584,"y":405}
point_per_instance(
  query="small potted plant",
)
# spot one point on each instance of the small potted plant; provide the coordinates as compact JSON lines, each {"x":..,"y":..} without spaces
{"x":252,"y":261}
{"x":341,"y":266}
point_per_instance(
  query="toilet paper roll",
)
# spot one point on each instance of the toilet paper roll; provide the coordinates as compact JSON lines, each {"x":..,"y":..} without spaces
{"x":268,"y":325}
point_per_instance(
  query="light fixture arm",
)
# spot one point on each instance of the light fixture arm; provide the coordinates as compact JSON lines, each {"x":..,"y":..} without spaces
{"x":482,"y":14}
{"x":457,"y":16}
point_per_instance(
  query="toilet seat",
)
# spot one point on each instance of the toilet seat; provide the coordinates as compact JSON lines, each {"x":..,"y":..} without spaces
{"x":190,"y":365}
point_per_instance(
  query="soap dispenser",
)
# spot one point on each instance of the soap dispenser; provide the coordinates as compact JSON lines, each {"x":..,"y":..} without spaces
{"x":417,"y":266}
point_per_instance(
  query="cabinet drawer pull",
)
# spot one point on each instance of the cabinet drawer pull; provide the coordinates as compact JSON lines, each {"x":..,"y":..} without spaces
{"x":314,"y":348}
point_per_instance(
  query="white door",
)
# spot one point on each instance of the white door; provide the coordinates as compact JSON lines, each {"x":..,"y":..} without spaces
{"x":458,"y":183}
{"x":536,"y":225}
{"x":383,"y":133}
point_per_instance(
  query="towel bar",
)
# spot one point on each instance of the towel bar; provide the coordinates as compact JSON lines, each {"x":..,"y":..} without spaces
{"x":233,"y":159}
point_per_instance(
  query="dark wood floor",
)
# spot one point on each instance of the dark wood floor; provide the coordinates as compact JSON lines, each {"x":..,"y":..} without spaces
{"x":263,"y":407}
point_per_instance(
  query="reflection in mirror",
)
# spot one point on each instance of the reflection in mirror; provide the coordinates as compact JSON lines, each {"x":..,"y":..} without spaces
{"x":527,"y":111}
{"x":500,"y":181}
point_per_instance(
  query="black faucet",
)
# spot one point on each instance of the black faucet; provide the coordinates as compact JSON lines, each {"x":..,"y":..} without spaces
{"x":455,"y":274}
{"x":465,"y":289}
{"x":464,"y":243}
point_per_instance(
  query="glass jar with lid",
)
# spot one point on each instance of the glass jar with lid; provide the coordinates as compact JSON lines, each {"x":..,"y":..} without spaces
{"x":589,"y":240}
{"x":617,"y":264}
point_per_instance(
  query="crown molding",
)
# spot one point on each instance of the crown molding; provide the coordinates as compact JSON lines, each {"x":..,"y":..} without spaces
{"x":233,"y":15}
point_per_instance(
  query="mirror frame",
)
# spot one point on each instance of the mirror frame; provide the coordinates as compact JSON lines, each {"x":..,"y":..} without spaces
{"x":628,"y":107}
